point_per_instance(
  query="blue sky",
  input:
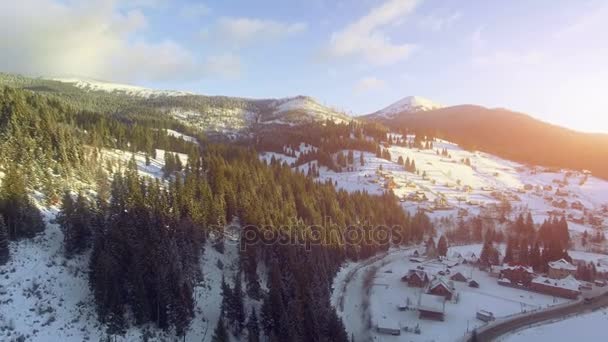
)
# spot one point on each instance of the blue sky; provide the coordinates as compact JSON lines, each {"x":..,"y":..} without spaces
{"x":546,"y":58}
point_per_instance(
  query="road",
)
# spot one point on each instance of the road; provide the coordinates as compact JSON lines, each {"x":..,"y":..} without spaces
{"x":492,"y":332}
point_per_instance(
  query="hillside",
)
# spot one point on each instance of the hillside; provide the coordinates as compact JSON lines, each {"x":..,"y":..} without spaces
{"x":510,"y":135}
{"x":213,"y":114}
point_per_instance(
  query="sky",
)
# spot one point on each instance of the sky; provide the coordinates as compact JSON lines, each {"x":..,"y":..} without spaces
{"x":547,"y":58}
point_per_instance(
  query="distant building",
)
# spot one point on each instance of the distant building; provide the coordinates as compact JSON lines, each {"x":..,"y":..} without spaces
{"x":416,"y":278}
{"x":561,"y":269}
{"x":518,"y":274}
{"x":388,"y":326}
{"x":474,"y":284}
{"x":440,"y":287}
{"x":458,"y":276}
{"x":431,"y":307}
{"x":565,"y":288}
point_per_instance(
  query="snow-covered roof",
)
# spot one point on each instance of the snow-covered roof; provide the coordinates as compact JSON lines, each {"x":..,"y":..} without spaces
{"x":562,"y":264}
{"x":568,"y":283}
{"x":518,"y":267}
{"x":433,"y":303}
{"x":440,"y":282}
{"x":385,"y":322}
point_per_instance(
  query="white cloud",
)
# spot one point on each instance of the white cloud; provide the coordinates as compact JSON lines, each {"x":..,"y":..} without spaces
{"x":240,"y":32}
{"x":99,"y":39}
{"x":436,"y":22}
{"x":365,"y":38}
{"x":368,"y":84}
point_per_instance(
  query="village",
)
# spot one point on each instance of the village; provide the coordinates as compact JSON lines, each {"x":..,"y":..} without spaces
{"x":425,"y":294}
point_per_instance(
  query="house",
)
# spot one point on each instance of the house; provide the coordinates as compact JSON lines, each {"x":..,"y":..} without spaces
{"x":473,"y":284}
{"x":416,"y":278}
{"x":458,"y":276}
{"x":440,"y":287}
{"x":565,"y":288}
{"x":470,"y":257}
{"x":561,"y":269}
{"x":577,"y":205}
{"x":485,"y":316}
{"x":518,"y":274}
{"x":388,"y":326}
{"x":431,"y":307}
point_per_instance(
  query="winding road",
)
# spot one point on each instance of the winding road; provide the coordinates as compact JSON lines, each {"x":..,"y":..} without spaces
{"x":493,"y":331}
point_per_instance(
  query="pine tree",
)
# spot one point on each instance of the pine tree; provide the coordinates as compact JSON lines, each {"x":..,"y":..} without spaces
{"x":220,"y":334}
{"x":4,"y":249}
{"x":442,"y":246}
{"x":21,"y":217}
{"x":237,"y":307}
{"x":253,"y":328}
{"x":361,"y":159}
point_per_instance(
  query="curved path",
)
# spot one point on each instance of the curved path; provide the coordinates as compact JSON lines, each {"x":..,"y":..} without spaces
{"x":493,"y":331}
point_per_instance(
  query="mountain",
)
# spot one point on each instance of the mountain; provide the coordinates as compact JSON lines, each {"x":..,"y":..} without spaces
{"x":410,"y":104}
{"x":212,"y":114}
{"x":129,"y":90}
{"x":510,"y":135}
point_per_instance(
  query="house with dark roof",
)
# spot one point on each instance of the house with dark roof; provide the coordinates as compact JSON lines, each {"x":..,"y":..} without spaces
{"x":416,"y":278}
{"x":458,"y":276}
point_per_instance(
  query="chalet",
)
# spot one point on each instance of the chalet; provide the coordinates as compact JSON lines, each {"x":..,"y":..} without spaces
{"x":561,"y":269}
{"x":528,"y":187}
{"x":561,"y":193}
{"x":431,"y":307}
{"x":470,"y":257}
{"x":416,"y":278}
{"x":562,"y":204}
{"x":577,"y":205}
{"x":388,"y":326}
{"x":518,"y":274}
{"x":565,"y":288}
{"x":485,"y":316}
{"x":458,"y":276}
{"x":548,"y":188}
{"x":440,"y":287}
{"x":474,"y":284}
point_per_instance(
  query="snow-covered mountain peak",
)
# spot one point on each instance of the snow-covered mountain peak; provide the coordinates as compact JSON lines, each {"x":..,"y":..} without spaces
{"x":131,"y":90}
{"x":408,"y":104}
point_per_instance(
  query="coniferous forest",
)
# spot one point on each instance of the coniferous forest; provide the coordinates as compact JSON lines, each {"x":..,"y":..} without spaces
{"x":145,"y":236}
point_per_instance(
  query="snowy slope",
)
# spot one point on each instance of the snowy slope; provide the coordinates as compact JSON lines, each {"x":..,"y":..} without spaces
{"x":299,"y":109}
{"x":408,"y":104}
{"x":471,"y":189}
{"x":130,"y":90}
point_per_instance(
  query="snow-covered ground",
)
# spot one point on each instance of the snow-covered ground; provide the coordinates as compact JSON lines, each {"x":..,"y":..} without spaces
{"x":361,"y":310}
{"x":446,"y":185}
{"x":154,"y":170}
{"x":408,"y":104}
{"x":587,"y":327}
{"x":46,"y":297}
{"x":131,"y":90}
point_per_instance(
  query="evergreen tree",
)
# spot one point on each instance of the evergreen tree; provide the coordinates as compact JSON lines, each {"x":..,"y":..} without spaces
{"x":21,"y":217}
{"x":442,"y":246}
{"x":253,"y":328}
{"x":4,"y":249}
{"x":220,"y":334}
